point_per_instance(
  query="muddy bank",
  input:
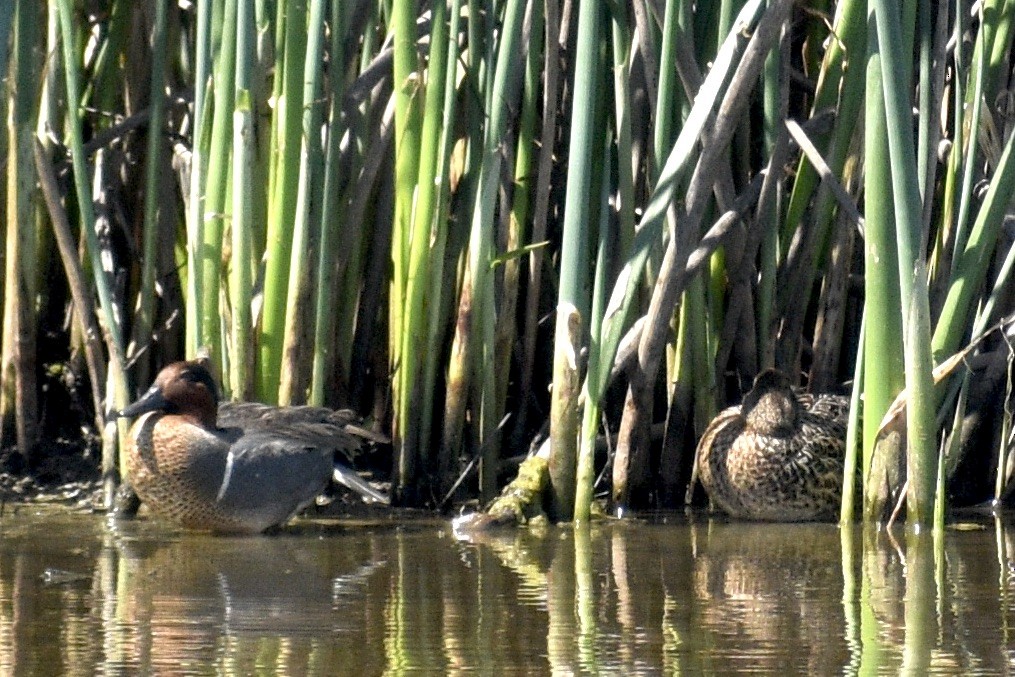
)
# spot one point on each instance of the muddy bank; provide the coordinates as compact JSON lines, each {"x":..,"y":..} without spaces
{"x":65,"y":473}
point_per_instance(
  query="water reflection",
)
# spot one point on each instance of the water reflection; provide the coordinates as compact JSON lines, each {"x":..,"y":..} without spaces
{"x":683,"y":597}
{"x":238,"y":603}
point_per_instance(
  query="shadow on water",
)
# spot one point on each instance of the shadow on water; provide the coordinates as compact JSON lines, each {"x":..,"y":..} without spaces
{"x":671,"y":594}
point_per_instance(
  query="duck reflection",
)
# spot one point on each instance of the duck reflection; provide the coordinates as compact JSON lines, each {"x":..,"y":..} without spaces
{"x":659,"y":596}
{"x":764,"y":587}
{"x":230,"y":602}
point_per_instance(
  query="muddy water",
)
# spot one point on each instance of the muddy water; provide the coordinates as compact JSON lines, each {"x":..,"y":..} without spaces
{"x":669,"y":595}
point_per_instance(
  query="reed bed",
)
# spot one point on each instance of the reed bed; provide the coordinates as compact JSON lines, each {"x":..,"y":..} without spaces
{"x":479,"y":224}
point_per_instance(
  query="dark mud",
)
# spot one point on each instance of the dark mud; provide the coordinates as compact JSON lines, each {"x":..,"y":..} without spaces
{"x":64,"y":474}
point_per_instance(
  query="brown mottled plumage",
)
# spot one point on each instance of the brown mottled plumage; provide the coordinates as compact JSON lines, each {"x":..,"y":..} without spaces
{"x":778,"y":456}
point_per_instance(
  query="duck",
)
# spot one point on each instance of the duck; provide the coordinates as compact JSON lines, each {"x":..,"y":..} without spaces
{"x":778,"y":456}
{"x":233,"y":467}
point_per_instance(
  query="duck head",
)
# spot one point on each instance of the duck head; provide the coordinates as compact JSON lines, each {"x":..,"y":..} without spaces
{"x":184,"y":389}
{"x":771,"y":407}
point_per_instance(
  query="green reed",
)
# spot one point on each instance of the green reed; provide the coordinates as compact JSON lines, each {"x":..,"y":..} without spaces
{"x":389,"y":204}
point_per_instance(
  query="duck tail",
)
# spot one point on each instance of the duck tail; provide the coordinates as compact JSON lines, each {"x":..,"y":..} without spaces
{"x":348,"y":478}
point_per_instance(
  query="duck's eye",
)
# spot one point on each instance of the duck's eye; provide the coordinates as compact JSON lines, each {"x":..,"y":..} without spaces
{"x":191,"y":377}
{"x":199,"y":379}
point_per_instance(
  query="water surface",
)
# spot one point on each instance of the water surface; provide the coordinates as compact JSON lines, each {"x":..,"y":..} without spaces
{"x":363,"y":597}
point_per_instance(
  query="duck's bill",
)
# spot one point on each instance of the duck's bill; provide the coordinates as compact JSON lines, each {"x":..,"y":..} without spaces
{"x":150,"y":401}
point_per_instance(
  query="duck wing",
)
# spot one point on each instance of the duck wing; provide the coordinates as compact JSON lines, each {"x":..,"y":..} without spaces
{"x":317,"y":426}
{"x":265,"y":427}
{"x":713,"y":458}
{"x":255,"y":413}
{"x":832,"y":408}
{"x":270,"y":477}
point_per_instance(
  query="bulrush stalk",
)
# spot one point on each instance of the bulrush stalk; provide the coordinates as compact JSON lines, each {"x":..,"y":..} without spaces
{"x":883,"y":371}
{"x":241,"y":359}
{"x":330,"y":266}
{"x":408,"y":118}
{"x":19,"y":401}
{"x":921,"y":456}
{"x":415,"y":383}
{"x":574,"y":261}
{"x":287,"y":126}
{"x":299,"y":319}
{"x":144,"y":313}
{"x":198,"y":173}
{"x":507,"y":79}
{"x":216,"y":192}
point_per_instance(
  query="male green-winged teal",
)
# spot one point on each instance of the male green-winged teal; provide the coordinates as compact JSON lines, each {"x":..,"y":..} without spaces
{"x":235,"y":466}
{"x":778,"y":456}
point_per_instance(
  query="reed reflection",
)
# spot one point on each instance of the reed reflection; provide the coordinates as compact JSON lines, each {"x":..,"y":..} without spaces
{"x":934,"y":603}
{"x":641,"y":597}
{"x":719,"y":597}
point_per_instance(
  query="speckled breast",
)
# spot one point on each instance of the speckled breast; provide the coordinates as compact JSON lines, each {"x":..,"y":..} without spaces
{"x":161,"y":469}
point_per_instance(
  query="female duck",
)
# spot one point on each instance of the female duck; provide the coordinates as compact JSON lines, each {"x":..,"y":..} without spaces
{"x":778,"y":456}
{"x":234,"y":467}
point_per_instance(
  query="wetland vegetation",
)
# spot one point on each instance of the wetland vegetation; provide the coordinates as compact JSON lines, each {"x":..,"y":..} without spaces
{"x":483,"y":225}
